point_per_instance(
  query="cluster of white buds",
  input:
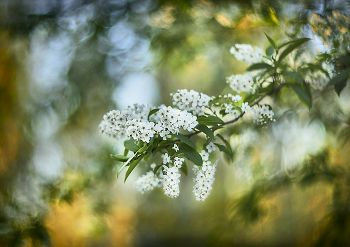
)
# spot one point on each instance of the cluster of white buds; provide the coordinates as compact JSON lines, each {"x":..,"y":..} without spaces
{"x":247,"y":53}
{"x":171,"y":178}
{"x":133,"y":122}
{"x":172,"y":119}
{"x":116,"y":123}
{"x":191,"y":101}
{"x":204,"y":175}
{"x":262,"y":114}
{"x":147,"y":182}
{"x":230,"y":109}
{"x":241,"y":83}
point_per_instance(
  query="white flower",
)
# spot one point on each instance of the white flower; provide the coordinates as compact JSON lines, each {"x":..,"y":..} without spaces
{"x":248,"y":54}
{"x":166,"y":158}
{"x":175,"y":147}
{"x":203,"y":180}
{"x":204,"y":155}
{"x":171,"y":181}
{"x":147,"y":182}
{"x":236,"y":98}
{"x":211,"y":147}
{"x":245,"y":107}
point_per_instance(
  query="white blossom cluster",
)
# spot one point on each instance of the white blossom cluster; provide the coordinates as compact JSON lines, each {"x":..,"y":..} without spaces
{"x":247,"y":53}
{"x":230,"y":109}
{"x":172,"y":119}
{"x":204,"y":179}
{"x":262,"y":114}
{"x":191,"y":101}
{"x":241,"y":82}
{"x":115,"y":123}
{"x":204,"y":174}
{"x":147,"y":182}
{"x":171,"y":178}
{"x":133,"y":122}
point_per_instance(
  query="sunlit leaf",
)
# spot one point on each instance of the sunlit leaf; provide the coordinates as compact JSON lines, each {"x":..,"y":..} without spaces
{"x":119,"y":157}
{"x":131,"y":145}
{"x":209,"y":120}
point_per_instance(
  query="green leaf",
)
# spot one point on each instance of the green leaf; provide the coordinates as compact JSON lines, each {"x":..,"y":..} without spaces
{"x":205,"y":130}
{"x":151,"y":112}
{"x":296,"y":76}
{"x":292,"y":42}
{"x":132,"y":167}
{"x":222,"y":148}
{"x":258,"y":66}
{"x":125,"y":164}
{"x":340,"y":86}
{"x":269,"y":51}
{"x":339,"y":81}
{"x":119,"y":157}
{"x":291,"y":48}
{"x":209,"y":120}
{"x":191,"y":154}
{"x":228,"y":148}
{"x":344,"y":59}
{"x":131,"y":145}
{"x":339,"y":77}
{"x":270,"y":40}
{"x":184,"y":168}
{"x":145,"y":147}
{"x":303,"y":95}
{"x":186,"y":140}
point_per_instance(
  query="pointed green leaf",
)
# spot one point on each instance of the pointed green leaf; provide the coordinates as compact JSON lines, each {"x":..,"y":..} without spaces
{"x":184,"y":168}
{"x":340,"y":86}
{"x":151,"y":112}
{"x":206,"y":130}
{"x":191,"y":154}
{"x":209,"y":120}
{"x":270,"y":40}
{"x":132,"y":167}
{"x":222,"y":148}
{"x":296,"y":76}
{"x":228,"y":148}
{"x":186,"y":140}
{"x":119,"y":157}
{"x":302,"y":94}
{"x":125,"y":164}
{"x":258,"y":66}
{"x":293,"y":41}
{"x":131,"y":145}
{"x":269,"y":51}
{"x":339,"y":78}
{"x":291,"y":48}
